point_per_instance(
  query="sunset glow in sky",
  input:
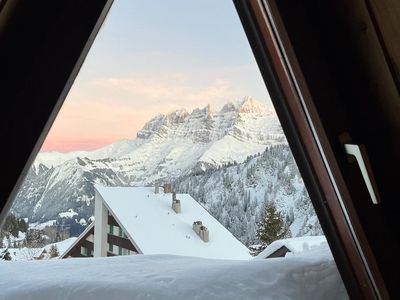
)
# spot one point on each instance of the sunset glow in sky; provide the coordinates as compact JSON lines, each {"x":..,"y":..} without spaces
{"x":154,"y":57}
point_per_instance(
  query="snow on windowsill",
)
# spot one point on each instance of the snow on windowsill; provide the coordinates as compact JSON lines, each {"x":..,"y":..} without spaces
{"x":311,"y":275}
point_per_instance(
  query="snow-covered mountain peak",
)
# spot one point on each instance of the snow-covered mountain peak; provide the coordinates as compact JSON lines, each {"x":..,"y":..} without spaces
{"x":207,"y":110}
{"x":229,"y":107}
{"x":239,"y":129}
{"x":177,"y":116}
{"x":247,"y":105}
{"x":205,"y":125}
{"x":251,"y":106}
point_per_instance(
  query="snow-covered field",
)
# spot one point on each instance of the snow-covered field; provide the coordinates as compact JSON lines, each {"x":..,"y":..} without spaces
{"x":25,"y":254}
{"x":311,"y":275}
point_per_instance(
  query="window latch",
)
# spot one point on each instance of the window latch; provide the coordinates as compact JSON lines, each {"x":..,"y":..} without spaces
{"x":360,"y":154}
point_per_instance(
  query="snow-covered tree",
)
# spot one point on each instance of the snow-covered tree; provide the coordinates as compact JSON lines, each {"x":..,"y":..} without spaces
{"x":54,"y":251}
{"x":35,"y":238}
{"x":12,"y":226}
{"x":236,"y":195}
{"x":271,"y":228}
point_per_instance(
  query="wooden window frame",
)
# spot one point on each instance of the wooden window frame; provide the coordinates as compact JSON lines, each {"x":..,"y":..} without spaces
{"x":47,"y":42}
{"x":311,"y":150}
{"x":277,"y":64}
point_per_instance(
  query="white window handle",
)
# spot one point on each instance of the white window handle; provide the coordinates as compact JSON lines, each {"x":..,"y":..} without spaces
{"x":360,"y":153}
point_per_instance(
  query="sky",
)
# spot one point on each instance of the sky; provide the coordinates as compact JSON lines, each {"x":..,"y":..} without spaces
{"x":151,"y":57}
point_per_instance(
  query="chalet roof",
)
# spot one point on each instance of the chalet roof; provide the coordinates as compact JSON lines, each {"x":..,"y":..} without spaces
{"x":153,"y":226}
{"x":66,"y":250}
{"x":294,"y":245}
{"x":62,"y":246}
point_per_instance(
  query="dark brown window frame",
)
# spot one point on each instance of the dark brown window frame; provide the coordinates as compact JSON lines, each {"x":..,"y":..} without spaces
{"x":47,"y":42}
{"x":310,"y":147}
{"x":278,"y":66}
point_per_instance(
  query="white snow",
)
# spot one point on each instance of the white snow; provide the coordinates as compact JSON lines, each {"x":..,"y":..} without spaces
{"x":295,"y":245}
{"x":217,"y":153}
{"x":41,"y":226}
{"x":152,"y":224}
{"x":62,"y":246}
{"x":54,"y":159}
{"x":14,"y":240}
{"x":69,"y":214}
{"x":312,"y":275}
{"x":26,"y":254}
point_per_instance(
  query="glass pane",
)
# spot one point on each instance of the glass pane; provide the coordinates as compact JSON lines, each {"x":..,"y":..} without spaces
{"x":170,"y":121}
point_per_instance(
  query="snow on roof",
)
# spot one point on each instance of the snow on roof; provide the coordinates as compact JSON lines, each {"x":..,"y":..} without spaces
{"x":23,"y":254}
{"x":155,"y":228}
{"x":295,"y":245}
{"x":62,"y":246}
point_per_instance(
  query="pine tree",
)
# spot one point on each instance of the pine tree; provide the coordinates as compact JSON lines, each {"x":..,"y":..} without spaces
{"x":271,"y":228}
{"x":22,"y":225}
{"x":54,"y":251}
{"x":11,"y":228}
{"x":35,"y":238}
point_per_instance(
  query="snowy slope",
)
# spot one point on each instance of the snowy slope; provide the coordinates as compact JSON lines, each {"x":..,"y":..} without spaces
{"x":54,"y":159}
{"x":235,"y":194}
{"x":24,"y":253}
{"x":312,"y":275}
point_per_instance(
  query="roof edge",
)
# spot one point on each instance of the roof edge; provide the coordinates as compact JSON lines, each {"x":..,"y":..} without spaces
{"x":83,"y":234}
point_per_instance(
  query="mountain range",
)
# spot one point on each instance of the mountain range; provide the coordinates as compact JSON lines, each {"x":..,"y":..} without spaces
{"x":175,"y":147}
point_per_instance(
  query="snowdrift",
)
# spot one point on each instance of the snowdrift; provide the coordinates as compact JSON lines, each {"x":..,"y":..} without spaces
{"x":311,"y":275}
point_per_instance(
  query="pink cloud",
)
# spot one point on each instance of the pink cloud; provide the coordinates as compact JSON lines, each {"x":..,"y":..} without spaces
{"x":169,"y":91}
{"x":67,"y":145}
{"x":101,"y":111}
{"x":87,"y":126}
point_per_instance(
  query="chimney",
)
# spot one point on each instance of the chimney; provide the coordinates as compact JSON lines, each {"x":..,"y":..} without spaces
{"x":167,"y":188}
{"x":157,"y":189}
{"x":196,"y":226}
{"x":204,"y":234}
{"x":176,"y":206}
